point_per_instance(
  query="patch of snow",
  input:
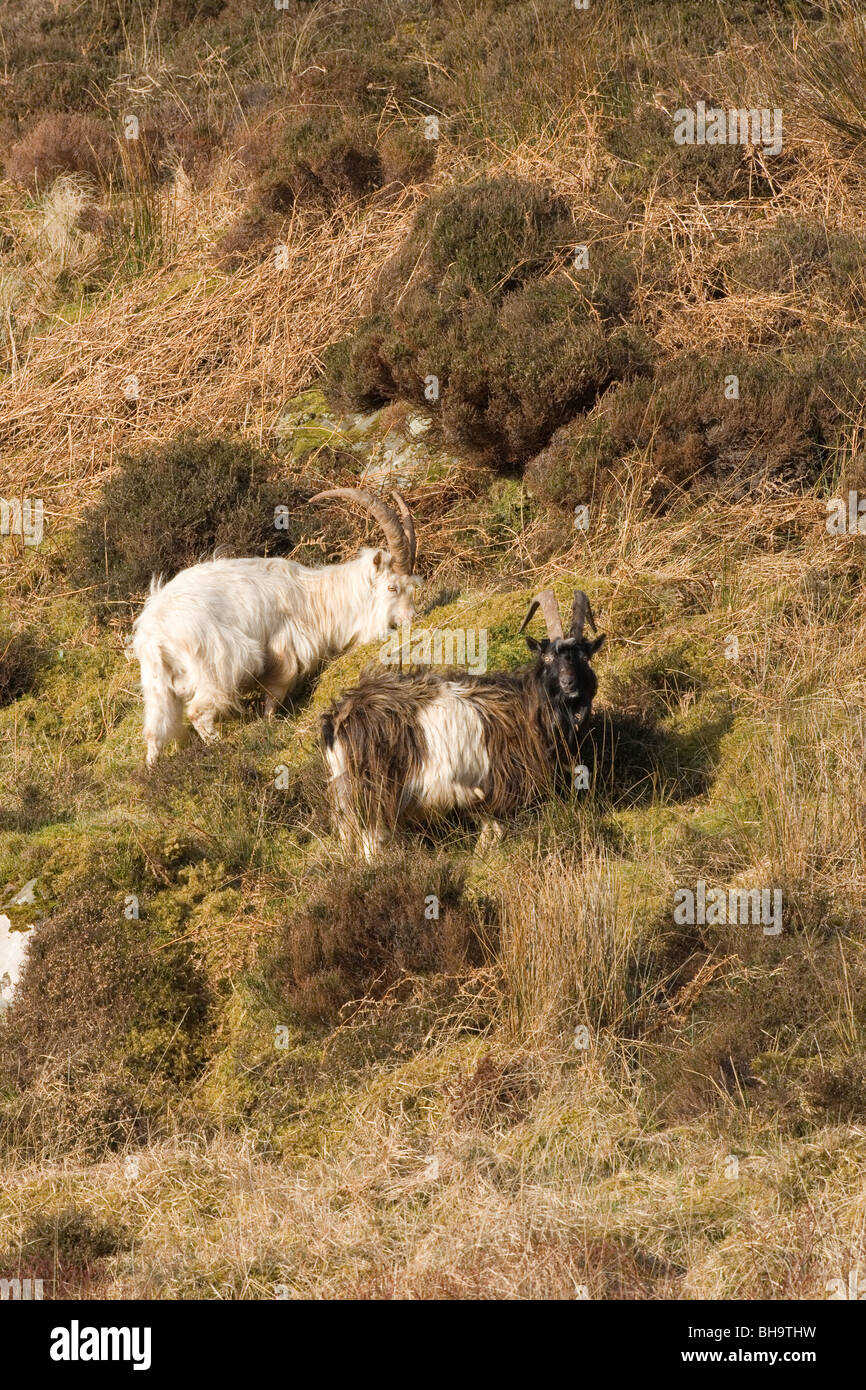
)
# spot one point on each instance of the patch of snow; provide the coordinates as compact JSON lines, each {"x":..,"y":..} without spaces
{"x":13,"y":955}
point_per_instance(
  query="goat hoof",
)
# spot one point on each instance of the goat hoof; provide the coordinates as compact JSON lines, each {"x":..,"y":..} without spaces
{"x":492,"y":833}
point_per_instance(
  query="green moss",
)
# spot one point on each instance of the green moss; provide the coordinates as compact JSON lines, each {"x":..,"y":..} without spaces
{"x":306,"y":427}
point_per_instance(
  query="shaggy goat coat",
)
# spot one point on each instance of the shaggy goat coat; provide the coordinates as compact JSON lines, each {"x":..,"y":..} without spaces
{"x":401,"y":746}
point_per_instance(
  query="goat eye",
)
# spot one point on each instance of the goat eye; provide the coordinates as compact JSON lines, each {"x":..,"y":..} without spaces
{"x":392,"y":588}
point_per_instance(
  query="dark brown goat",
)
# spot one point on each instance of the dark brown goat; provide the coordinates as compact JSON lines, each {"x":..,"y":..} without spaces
{"x":404,"y":746}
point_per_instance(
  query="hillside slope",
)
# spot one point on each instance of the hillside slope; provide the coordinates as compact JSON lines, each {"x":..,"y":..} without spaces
{"x":238,"y":1063}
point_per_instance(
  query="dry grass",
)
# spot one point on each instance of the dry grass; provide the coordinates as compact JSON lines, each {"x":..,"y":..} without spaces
{"x":219,"y":353}
{"x":569,"y":945}
{"x":464,"y":1211}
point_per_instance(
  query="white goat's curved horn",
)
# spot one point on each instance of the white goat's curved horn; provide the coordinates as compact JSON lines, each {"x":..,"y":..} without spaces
{"x":388,"y":519}
{"x":408,"y":526}
{"x":546,"y":601}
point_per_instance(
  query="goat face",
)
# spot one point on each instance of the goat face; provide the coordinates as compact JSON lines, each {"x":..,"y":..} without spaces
{"x":565,"y":673}
{"x":393,"y":594}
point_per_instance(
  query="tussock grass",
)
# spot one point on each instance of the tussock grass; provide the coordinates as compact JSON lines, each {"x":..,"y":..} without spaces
{"x":570,"y":945}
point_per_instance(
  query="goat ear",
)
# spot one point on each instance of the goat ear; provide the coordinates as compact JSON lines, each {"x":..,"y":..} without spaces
{"x":532,"y":644}
{"x":378,"y":559}
{"x":596,"y":645}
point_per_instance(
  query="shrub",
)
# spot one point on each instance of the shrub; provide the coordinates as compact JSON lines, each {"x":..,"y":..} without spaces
{"x":324,"y":173}
{"x":71,"y":1235}
{"x":547,"y":361}
{"x":323,"y":146}
{"x":647,"y":157}
{"x":491,"y":236}
{"x":478,"y":298}
{"x":317,"y":159}
{"x":19,"y":663}
{"x":180,"y":14}
{"x":352,"y":83}
{"x":364,"y":929}
{"x":57,"y":56}
{"x":63,"y":144}
{"x":344,"y":170}
{"x":406,"y":156}
{"x":679,"y":432}
{"x":66,"y":1247}
{"x":804,"y":256}
{"x":173,"y":505}
{"x":107,"y":1019}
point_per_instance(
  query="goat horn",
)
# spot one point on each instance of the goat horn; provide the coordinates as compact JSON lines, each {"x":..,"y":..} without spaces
{"x":580,"y":611}
{"x":546,"y":601}
{"x":408,"y":526}
{"x":388,"y":519}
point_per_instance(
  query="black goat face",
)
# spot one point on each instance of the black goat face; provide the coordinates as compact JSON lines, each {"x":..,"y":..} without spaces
{"x":565,"y":672}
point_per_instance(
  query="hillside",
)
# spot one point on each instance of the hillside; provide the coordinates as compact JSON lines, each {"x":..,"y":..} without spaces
{"x":237,"y":245}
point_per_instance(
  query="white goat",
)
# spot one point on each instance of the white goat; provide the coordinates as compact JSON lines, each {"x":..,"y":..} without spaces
{"x":227,"y":627}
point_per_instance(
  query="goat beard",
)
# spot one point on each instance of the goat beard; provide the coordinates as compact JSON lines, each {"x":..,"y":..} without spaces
{"x":566,"y":737}
{"x":574,"y":713}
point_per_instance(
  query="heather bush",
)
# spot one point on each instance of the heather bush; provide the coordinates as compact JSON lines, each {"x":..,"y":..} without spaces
{"x":680,"y":432}
{"x":483,"y":298}
{"x":63,"y":144}
{"x":406,"y":156}
{"x":175,"y":504}
{"x":646,"y":156}
{"x":490,"y":235}
{"x":802,"y":256}
{"x":365,"y":929}
{"x":19,"y":663}
{"x":108,"y":1018}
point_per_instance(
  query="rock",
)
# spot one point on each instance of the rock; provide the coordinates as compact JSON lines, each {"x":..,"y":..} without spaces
{"x":25,"y":895}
